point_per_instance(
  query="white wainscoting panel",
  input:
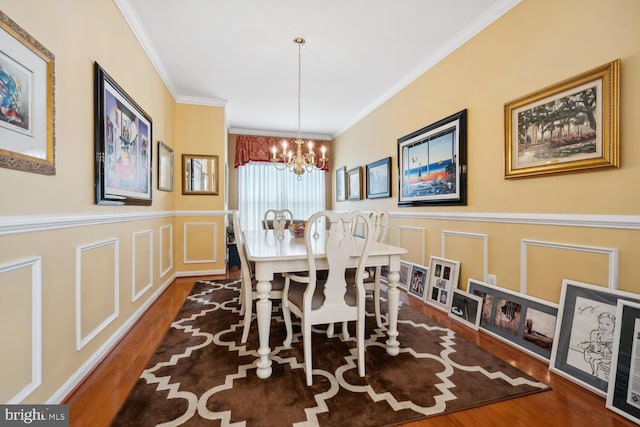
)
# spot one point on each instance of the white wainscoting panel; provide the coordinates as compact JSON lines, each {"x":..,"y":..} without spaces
{"x":135,"y":293}
{"x":419,"y":231}
{"x":166,"y":245}
{"x":33,"y":306}
{"x":612,"y":253}
{"x":485,"y":246}
{"x":81,"y":341}
{"x":190,"y":227}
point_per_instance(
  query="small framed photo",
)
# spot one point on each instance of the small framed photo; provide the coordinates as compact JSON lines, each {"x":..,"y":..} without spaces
{"x":418,"y":280}
{"x":379,"y":179}
{"x":341,"y":184}
{"x":354,"y":182}
{"x":623,"y":394}
{"x":443,"y":279}
{"x":432,"y":164}
{"x":165,"y":167}
{"x":521,"y":320}
{"x":569,"y":126}
{"x":27,"y":92}
{"x":122,"y":145}
{"x":466,"y":308}
{"x":405,"y":274}
{"x":584,"y":338}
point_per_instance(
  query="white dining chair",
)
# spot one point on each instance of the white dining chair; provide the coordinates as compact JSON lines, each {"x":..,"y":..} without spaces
{"x":379,"y":229}
{"x":277,"y":219}
{"x":324,"y":301}
{"x":248,"y":292}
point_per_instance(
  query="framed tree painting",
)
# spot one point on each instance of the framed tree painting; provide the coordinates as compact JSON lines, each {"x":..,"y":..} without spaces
{"x":569,"y":126}
{"x":27,"y":118}
{"x":432,"y":164}
{"x":623,"y":393}
{"x":379,"y":179}
{"x":584,"y":338}
{"x":122,"y":145}
{"x":442,"y":280}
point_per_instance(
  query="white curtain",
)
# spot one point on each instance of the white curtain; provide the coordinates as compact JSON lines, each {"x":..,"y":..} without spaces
{"x":263,"y":187}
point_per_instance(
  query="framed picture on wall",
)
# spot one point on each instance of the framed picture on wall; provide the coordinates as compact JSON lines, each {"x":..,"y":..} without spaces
{"x":122,"y":145}
{"x":584,"y":336}
{"x":165,"y":167}
{"x":341,"y":184}
{"x":379,"y":179}
{"x":432,"y":163}
{"x":571,"y":125}
{"x":27,"y":95}
{"x":521,"y":320}
{"x":354,"y":183}
{"x":623,"y":393}
{"x":442,"y":280}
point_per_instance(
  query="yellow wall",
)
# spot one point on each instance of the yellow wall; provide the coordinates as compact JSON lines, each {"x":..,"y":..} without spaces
{"x":74,"y":276}
{"x":534,"y":45}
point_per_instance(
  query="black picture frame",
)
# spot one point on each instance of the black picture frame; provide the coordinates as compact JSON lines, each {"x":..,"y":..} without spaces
{"x":432,"y":164}
{"x":578,"y":354}
{"x":623,"y":394}
{"x":523,"y":321}
{"x":123,"y":135}
{"x":379,"y":179}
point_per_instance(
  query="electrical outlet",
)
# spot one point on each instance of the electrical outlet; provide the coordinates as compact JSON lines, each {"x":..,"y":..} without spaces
{"x":491,"y":278}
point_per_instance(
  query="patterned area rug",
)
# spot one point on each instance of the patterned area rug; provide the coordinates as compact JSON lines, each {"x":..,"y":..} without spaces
{"x":202,"y":375}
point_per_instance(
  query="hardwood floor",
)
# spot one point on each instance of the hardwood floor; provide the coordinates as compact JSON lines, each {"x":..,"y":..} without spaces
{"x":98,"y":398}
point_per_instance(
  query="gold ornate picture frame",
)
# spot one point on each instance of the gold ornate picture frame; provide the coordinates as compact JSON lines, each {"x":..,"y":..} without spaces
{"x":569,"y":126}
{"x":27,"y":137}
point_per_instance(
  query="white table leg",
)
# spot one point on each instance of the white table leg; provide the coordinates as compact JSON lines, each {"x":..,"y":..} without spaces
{"x":393,"y":300}
{"x":263,"y":313}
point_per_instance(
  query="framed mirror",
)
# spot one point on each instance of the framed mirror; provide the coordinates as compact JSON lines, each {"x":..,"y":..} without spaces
{"x":199,"y":174}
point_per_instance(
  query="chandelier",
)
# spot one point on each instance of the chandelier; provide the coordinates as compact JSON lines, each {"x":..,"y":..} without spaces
{"x":298,"y":162}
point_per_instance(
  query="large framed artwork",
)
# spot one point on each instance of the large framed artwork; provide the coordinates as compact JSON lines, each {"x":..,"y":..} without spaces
{"x":27,"y":118}
{"x":354,"y":183}
{"x":122,"y":145}
{"x":584,"y":338}
{"x":432,"y":164}
{"x":521,"y":320}
{"x":379,"y":179}
{"x":623,"y":393}
{"x":466,"y":308}
{"x":442,"y":280}
{"x":571,"y":125}
{"x":165,"y":167}
{"x":341,"y":184}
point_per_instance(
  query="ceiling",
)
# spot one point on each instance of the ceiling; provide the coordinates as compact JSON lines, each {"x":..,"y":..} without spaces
{"x":240,"y":54}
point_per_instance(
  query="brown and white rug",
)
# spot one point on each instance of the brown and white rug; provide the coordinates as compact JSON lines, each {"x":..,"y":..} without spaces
{"x":202,"y":375}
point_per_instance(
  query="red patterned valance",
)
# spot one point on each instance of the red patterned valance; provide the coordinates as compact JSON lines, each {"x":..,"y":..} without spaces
{"x":251,"y":148}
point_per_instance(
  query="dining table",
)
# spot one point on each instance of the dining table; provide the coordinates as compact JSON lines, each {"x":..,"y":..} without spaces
{"x":277,"y":252}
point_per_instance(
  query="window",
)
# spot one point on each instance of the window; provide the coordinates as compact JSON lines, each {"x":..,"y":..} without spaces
{"x":263,"y":187}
